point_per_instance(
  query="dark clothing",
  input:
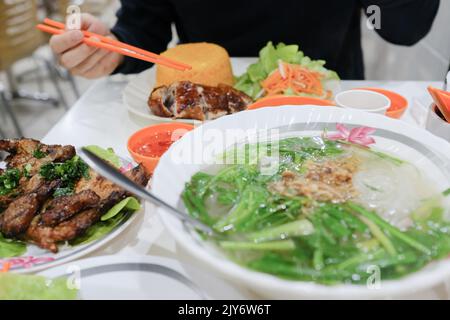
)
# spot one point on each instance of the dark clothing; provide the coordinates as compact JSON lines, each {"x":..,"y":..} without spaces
{"x":328,"y":30}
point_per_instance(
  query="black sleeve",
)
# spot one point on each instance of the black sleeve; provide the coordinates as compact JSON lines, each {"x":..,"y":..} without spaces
{"x":145,"y":24}
{"x":404,"y":22}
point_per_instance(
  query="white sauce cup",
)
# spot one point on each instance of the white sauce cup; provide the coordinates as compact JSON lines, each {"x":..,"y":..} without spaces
{"x":364,"y":100}
{"x":436,"y":125}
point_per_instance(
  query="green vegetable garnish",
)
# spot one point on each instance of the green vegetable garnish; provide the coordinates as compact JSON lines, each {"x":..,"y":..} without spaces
{"x":39,"y":154}
{"x":30,"y":287}
{"x":101,"y":228}
{"x":269,"y":56}
{"x":11,"y":248}
{"x":68,"y":172}
{"x":105,"y":154}
{"x":9,"y":180}
{"x":128,"y":204}
{"x":27,"y":170}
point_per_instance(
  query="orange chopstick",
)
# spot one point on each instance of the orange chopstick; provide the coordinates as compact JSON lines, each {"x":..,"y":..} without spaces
{"x":117,"y":46}
{"x":117,"y":43}
{"x":109,"y":47}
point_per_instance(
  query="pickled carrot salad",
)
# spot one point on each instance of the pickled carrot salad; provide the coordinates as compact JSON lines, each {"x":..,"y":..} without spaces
{"x":296,"y":79}
{"x":284,"y":69}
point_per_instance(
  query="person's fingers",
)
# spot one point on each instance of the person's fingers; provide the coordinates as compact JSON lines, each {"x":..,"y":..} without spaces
{"x":105,"y":66}
{"x":70,"y":39}
{"x":65,"y":41}
{"x":76,"y":56}
{"x":90,"y":63}
{"x":92,"y":24}
{"x":87,"y":20}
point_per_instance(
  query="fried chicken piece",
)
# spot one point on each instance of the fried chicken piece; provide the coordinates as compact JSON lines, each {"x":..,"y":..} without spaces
{"x":187,"y":100}
{"x":48,"y":237}
{"x":64,"y":207}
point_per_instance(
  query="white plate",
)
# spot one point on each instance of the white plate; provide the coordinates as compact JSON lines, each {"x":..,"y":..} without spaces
{"x":420,"y":147}
{"x":36,"y":259}
{"x":137,"y":92}
{"x":140,"y":277}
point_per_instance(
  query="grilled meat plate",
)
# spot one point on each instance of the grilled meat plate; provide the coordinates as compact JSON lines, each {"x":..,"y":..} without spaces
{"x":187,"y":100}
{"x":34,"y":212}
{"x":47,"y":237}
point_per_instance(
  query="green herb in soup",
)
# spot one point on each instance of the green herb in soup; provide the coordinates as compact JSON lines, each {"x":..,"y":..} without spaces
{"x":330,"y":213}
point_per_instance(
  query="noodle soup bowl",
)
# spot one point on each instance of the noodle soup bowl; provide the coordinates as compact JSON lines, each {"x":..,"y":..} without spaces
{"x":198,"y":149}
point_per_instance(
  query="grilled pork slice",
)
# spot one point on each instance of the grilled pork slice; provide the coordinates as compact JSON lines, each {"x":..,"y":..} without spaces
{"x":30,"y":154}
{"x":48,"y":237}
{"x":28,"y":151}
{"x":104,"y":188}
{"x":64,"y":207}
{"x":26,"y":186}
{"x":188,"y":100}
{"x":20,"y":212}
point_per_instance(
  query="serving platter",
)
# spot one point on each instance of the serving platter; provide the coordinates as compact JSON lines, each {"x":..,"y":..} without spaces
{"x":137,"y":92}
{"x":36,"y":259}
{"x":427,"y":152}
{"x":140,"y":277}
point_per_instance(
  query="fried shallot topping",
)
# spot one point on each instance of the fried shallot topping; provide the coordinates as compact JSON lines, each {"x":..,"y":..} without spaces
{"x":331,"y":180}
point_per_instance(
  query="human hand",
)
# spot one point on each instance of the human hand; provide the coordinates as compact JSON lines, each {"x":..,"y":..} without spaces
{"x":81,"y":59}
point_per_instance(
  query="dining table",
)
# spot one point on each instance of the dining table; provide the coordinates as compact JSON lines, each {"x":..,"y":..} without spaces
{"x":100,"y":117}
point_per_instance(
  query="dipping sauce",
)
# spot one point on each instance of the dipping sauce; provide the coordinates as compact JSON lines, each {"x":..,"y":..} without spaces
{"x":147,"y":145}
{"x":158,"y":144}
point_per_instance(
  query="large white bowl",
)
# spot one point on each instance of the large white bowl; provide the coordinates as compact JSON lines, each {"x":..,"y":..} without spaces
{"x":428,"y":152}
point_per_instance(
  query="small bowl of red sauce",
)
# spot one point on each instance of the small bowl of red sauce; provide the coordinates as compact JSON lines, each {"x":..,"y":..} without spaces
{"x":147,"y":145}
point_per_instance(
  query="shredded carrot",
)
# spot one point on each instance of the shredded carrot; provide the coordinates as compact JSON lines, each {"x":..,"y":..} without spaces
{"x":5,"y":267}
{"x":297,"y":78}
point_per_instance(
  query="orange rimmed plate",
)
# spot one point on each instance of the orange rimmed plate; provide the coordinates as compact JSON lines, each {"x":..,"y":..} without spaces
{"x":399,"y":104}
{"x":280,"y":100}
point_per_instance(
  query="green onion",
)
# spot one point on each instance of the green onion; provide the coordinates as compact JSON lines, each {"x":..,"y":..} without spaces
{"x":390,"y":228}
{"x":270,"y":245}
{"x":292,"y":229}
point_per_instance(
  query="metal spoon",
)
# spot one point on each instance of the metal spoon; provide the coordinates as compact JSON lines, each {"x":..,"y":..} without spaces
{"x":112,"y":174}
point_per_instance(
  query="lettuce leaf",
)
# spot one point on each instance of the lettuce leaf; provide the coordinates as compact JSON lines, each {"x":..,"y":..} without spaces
{"x":30,"y":287}
{"x":106,"y":154}
{"x":11,"y":248}
{"x":128,"y":204}
{"x":100,"y":229}
{"x":249,"y":82}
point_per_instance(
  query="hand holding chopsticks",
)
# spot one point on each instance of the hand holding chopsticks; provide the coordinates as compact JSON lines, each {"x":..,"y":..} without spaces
{"x":102,"y":42}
